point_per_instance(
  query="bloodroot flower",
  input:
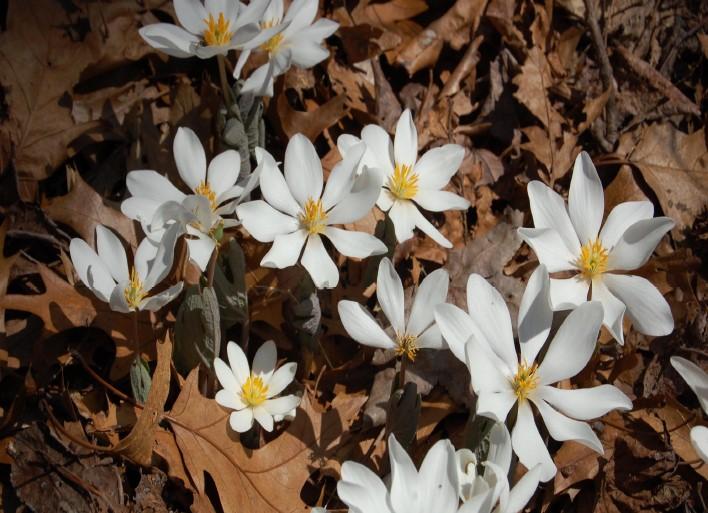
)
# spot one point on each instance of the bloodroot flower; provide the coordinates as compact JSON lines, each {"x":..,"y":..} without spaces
{"x":433,"y":488}
{"x":252,"y":391}
{"x":105,"y":271}
{"x":296,"y":212}
{"x":501,"y":379}
{"x":419,"y":332}
{"x":571,"y":240}
{"x":410,"y":182}
{"x":209,"y":29}
{"x":697,"y":379}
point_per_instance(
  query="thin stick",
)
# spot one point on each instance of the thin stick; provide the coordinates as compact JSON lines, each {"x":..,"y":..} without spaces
{"x":211,"y":267}
{"x":402,"y":372}
{"x":225,"y":90}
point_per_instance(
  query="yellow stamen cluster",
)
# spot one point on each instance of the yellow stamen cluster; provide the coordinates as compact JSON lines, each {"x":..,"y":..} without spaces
{"x":254,"y":392}
{"x":313,"y":217}
{"x":134,"y":293}
{"x":525,"y":380}
{"x":592,"y":260}
{"x":217,"y":32}
{"x":407,"y":345}
{"x":403,"y":183}
{"x":203,"y":189}
{"x":274,"y":42}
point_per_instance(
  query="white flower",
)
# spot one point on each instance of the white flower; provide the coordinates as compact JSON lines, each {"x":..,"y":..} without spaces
{"x":106,"y":272}
{"x":251,"y":391}
{"x":420,"y":332}
{"x":296,"y":212}
{"x":484,"y":339}
{"x":571,"y":240}
{"x":155,"y":201}
{"x":492,"y":486}
{"x":288,"y":40}
{"x":209,"y":29}
{"x":697,"y":379}
{"x":410,"y":182}
{"x":433,"y":488}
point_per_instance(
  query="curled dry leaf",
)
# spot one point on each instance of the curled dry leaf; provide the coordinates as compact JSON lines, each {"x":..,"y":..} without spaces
{"x":266,"y":480}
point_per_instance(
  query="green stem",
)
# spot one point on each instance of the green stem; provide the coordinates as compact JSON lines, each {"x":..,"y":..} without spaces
{"x":225,"y":89}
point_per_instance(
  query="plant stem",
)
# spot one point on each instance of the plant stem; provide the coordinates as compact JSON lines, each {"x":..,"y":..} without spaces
{"x":226,"y":91}
{"x":211,"y":267}
{"x":402,"y":372}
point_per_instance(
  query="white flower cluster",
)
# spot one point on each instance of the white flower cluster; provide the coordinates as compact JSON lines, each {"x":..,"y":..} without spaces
{"x":299,"y":209}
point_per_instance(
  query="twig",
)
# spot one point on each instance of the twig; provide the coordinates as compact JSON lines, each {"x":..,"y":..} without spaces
{"x":608,"y":79}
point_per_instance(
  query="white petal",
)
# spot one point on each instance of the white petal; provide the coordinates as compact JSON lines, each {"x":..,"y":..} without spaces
{"x":355,"y":244}
{"x":437,"y":166}
{"x":585,"y":403}
{"x":170,"y":39}
{"x":571,"y":348}
{"x":613,"y":309}
{"x":347,"y":141}
{"x":273,"y":186}
{"x":495,"y":405}
{"x":281,"y":378}
{"x":154,"y":303}
{"x":229,"y":400}
{"x":389,"y":293}
{"x":426,"y":227}
{"x":568,"y":293}
{"x":362,"y":490}
{"x":152,"y":185}
{"x":549,"y":248}
{"x":500,"y":449}
{"x":357,"y":203}
{"x":264,"y":361}
{"x":111,"y":251}
{"x":189,"y":157}
{"x":285,"y":251}
{"x":622,"y":217}
{"x":637,"y":243}
{"x":405,"y":143}
{"x":548,"y":211}
{"x":431,"y":293}
{"x":341,"y":179}
{"x":238,"y":363}
{"x":226,"y":377}
{"x":699,"y":441}
{"x":379,"y":143}
{"x":535,"y":314}
{"x":586,"y":199}
{"x":456,"y":327}
{"x":223,"y":171}
{"x":529,"y":446}
{"x":161,"y":264}
{"x":200,"y":250}
{"x":281,"y":405}
{"x":438,"y":477}
{"x":303,"y":169}
{"x":361,"y":326}
{"x":91,"y":269}
{"x":191,"y":15}
{"x":306,"y":53}
{"x":562,"y":428}
{"x":118,"y":301}
{"x":260,"y":81}
{"x":486,"y":370}
{"x":439,"y":201}
{"x":695,"y":377}
{"x":647,"y":308}
{"x":523,"y":490}
{"x":263,"y":222}
{"x":146,"y":252}
{"x":491,"y":315}
{"x":431,"y":339}
{"x":241,"y":421}
{"x":405,"y":485}
{"x":402,"y":214}
{"x":319,"y":264}
{"x":300,"y":14}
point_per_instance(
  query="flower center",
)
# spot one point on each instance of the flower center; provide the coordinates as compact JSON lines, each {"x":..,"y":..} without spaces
{"x":525,"y":380}
{"x":274,"y":42}
{"x":592,"y":260}
{"x":203,"y":189}
{"x":254,"y":392}
{"x":217,"y":32}
{"x":403,"y":184}
{"x":134,"y":293}
{"x":313,"y":217}
{"x":407,"y":345}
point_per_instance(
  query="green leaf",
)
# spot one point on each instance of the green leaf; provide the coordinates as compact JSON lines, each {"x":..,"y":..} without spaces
{"x":230,"y":285}
{"x":197,"y":330}
{"x":140,"y":379}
